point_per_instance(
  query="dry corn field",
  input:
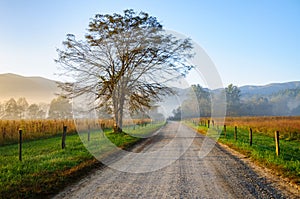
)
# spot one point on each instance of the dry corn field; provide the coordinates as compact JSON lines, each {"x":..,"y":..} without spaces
{"x":289,"y":127}
{"x":36,"y":129}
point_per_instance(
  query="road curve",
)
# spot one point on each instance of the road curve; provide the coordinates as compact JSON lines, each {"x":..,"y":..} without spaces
{"x":217,"y":175}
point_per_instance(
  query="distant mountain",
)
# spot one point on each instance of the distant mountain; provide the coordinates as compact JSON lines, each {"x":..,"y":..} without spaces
{"x":34,"y":89}
{"x":38,"y":89}
{"x":272,"y":99}
{"x":268,"y":89}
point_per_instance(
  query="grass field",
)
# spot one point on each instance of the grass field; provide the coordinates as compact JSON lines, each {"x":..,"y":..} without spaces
{"x":262,"y":150}
{"x":46,"y":168}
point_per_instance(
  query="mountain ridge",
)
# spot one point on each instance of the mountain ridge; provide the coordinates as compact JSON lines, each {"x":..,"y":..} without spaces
{"x":35,"y":89}
{"x":269,"y":89}
{"x":40,"y":89}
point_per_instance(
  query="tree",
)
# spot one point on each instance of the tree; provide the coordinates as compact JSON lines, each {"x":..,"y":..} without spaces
{"x":11,"y":109}
{"x":176,"y":114}
{"x":233,"y":94}
{"x":60,"y":108}
{"x":125,"y":61}
{"x":43,"y":110}
{"x":197,"y":104}
{"x":258,"y":106}
{"x":41,"y":114}
{"x":204,"y":100}
{"x":32,"y":111}
{"x":22,"y":106}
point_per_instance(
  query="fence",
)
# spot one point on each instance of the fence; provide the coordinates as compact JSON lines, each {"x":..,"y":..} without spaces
{"x":32,"y":129}
{"x":246,"y":134}
{"x":36,"y":129}
{"x":17,"y":131}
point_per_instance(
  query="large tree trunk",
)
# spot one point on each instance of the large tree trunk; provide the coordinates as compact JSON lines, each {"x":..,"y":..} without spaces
{"x":118,"y":111}
{"x":118,"y":120}
{"x":117,"y":129}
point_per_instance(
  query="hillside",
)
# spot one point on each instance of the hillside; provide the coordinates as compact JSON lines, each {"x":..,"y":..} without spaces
{"x":283,"y":97}
{"x":272,"y":99}
{"x":34,"y":89}
{"x":280,"y":99}
{"x":269,"y":88}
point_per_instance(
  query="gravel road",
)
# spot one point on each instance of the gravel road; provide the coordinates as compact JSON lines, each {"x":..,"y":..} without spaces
{"x":217,"y":175}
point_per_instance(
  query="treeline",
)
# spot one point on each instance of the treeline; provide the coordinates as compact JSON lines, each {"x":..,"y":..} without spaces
{"x":282,"y":103}
{"x":59,"y":108}
{"x":198,"y":103}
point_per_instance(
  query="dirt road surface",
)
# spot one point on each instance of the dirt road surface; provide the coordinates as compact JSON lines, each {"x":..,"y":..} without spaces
{"x":217,"y":175}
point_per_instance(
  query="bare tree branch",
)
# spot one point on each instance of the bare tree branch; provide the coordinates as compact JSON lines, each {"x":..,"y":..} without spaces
{"x":125,"y":60}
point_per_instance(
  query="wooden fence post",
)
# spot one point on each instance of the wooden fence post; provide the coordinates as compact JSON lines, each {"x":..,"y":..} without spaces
{"x":277,"y":143}
{"x":250,"y":137}
{"x":63,"y":140}
{"x":89,"y":133}
{"x":208,"y":123}
{"x":4,"y":133}
{"x":235,"y":133}
{"x":20,"y":144}
{"x":225,"y":130}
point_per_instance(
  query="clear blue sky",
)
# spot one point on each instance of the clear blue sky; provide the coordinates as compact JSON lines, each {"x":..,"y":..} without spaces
{"x":251,"y":42}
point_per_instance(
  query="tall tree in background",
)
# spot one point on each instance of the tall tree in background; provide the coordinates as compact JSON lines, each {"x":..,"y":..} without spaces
{"x":32,"y":111}
{"x":204,"y":100}
{"x":60,"y":108}
{"x":11,"y":109}
{"x":197,"y":104}
{"x":125,"y":61}
{"x":22,"y":106}
{"x":233,"y":94}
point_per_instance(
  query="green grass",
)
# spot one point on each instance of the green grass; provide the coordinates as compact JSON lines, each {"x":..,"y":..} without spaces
{"x":43,"y":162}
{"x":262,"y":150}
{"x":46,"y":168}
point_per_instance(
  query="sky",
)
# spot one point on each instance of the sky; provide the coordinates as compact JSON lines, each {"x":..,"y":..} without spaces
{"x":251,"y":42}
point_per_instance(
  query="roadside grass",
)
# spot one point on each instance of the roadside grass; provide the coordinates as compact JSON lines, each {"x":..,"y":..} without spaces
{"x":46,"y":168}
{"x":262,"y":151}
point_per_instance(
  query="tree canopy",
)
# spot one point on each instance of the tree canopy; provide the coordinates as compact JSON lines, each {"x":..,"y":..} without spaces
{"x":198,"y":103}
{"x":233,"y":94}
{"x":60,"y":108}
{"x":124,"y":61}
